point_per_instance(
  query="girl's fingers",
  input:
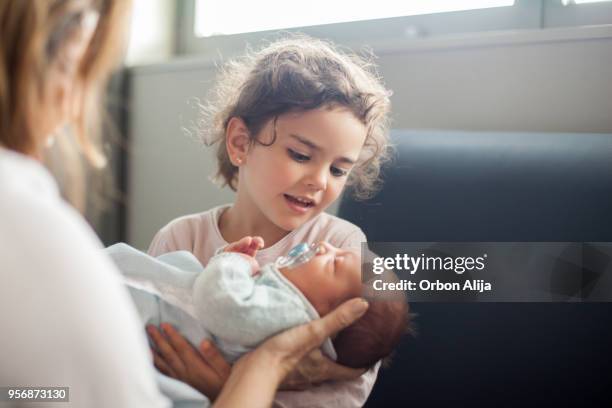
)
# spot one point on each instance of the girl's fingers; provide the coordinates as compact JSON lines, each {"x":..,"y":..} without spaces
{"x":165,"y":350}
{"x":213,"y":357}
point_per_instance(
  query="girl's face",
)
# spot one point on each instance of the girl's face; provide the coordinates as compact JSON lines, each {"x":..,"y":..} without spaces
{"x":304,"y":171}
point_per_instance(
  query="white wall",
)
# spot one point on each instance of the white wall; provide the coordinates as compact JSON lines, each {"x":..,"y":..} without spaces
{"x":545,"y":80}
{"x":152,"y":32}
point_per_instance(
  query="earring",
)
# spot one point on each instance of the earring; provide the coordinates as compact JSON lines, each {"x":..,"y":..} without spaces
{"x":238,"y":161}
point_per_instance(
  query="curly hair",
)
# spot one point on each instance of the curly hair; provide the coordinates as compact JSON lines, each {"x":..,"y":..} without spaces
{"x":300,"y":73}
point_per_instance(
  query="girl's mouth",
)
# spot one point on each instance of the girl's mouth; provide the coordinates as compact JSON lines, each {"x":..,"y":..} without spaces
{"x":299,"y":204}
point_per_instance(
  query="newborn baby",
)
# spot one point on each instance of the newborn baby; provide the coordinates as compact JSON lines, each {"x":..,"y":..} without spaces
{"x":240,"y":304}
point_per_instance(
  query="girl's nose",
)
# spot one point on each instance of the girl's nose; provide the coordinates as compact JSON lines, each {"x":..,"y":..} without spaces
{"x":317,"y":180}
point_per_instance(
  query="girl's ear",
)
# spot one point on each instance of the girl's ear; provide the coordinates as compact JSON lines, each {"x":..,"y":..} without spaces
{"x":237,"y":141}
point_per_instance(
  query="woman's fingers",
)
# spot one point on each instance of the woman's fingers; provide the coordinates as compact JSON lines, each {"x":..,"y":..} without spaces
{"x":265,"y":367}
{"x":174,"y":356}
{"x":178,"y":343}
{"x":292,"y":345}
{"x":310,"y":370}
{"x":165,"y":351}
{"x":338,"y":372}
{"x":214,"y":359}
{"x":341,"y":317}
{"x":315,"y":368}
{"x":161,"y":365}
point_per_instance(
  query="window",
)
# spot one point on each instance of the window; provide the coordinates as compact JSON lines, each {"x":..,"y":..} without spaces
{"x":567,"y":2}
{"x":215,"y":17}
{"x":213,"y":27}
{"x":572,"y":13}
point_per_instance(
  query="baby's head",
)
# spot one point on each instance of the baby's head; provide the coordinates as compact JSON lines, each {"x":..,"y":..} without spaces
{"x":332,"y":277}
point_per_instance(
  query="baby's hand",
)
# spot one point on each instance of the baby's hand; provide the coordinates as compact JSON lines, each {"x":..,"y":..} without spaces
{"x":247,"y":245}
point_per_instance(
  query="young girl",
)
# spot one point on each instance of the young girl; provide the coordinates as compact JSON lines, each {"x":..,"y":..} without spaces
{"x":294,"y":123}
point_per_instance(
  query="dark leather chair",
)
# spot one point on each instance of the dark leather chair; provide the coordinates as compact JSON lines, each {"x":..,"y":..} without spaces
{"x":490,"y":186}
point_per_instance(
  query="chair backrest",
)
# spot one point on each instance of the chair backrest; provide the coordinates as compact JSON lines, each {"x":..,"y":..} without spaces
{"x":493,"y":186}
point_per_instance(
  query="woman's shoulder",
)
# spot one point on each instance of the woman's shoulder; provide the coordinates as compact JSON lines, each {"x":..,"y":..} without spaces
{"x":43,"y":225}
{"x":52,"y":257}
{"x":44,"y":239}
{"x":31,"y":209}
{"x":20,"y":174}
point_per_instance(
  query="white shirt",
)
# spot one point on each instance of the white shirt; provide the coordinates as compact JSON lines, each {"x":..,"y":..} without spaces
{"x":65,"y":318}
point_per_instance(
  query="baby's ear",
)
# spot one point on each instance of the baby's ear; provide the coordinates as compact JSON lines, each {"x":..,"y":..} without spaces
{"x":237,"y":140}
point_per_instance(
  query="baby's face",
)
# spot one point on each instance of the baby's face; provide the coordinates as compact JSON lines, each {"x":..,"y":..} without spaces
{"x":332,"y":276}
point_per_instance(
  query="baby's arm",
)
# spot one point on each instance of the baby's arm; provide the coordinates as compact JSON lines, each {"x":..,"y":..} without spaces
{"x":237,"y":308}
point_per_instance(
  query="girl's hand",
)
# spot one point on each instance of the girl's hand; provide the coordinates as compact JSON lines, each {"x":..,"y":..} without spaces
{"x":204,"y":369}
{"x":256,"y":375}
{"x":247,"y":245}
{"x":316,"y":368}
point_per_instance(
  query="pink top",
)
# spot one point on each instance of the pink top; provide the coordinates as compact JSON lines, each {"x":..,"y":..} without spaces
{"x":199,"y":234}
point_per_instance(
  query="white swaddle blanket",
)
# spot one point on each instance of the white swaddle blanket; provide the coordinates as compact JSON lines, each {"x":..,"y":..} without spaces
{"x":222,"y":301}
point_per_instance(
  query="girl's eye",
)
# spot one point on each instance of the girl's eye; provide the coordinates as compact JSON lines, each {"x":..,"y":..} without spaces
{"x":298,"y":157}
{"x":338,"y":172}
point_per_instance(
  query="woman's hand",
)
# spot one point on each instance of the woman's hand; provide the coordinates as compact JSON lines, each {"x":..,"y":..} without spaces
{"x":256,"y":375}
{"x":204,"y":369}
{"x":316,"y":368}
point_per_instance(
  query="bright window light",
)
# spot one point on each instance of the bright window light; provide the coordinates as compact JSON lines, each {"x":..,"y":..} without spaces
{"x":567,"y":2}
{"x":215,"y":17}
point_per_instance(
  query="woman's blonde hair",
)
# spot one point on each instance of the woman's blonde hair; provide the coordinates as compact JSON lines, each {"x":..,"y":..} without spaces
{"x":300,"y":73}
{"x":33,"y":33}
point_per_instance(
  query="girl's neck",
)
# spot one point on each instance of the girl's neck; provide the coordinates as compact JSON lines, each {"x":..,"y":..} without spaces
{"x":242,"y":220}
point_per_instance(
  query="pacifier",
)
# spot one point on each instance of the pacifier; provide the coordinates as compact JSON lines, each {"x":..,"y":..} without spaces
{"x":298,"y":255}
